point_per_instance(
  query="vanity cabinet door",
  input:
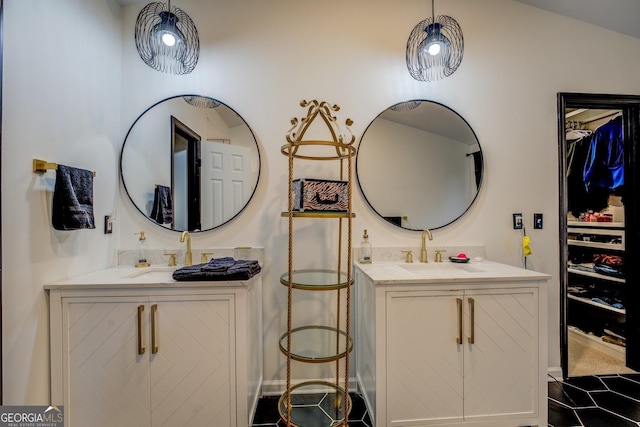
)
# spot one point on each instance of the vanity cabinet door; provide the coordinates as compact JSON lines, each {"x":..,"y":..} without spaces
{"x":425,"y":379}
{"x":502,"y":364}
{"x":107,"y":383}
{"x":193,"y":361}
{"x":150,"y":361}
{"x":461,"y":356}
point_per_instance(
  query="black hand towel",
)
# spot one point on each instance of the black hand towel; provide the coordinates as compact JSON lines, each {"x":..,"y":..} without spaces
{"x":239,"y":270}
{"x":219,"y":264}
{"x":73,"y":199}
{"x":162,"y":211}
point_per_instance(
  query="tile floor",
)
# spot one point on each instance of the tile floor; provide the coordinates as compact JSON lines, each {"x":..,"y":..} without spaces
{"x":267,"y":413}
{"x":593,"y":401}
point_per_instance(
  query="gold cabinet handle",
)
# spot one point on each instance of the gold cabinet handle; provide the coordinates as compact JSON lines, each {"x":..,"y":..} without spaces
{"x":472,"y":320}
{"x":154,"y":345}
{"x":141,"y":348}
{"x":459,"y":304}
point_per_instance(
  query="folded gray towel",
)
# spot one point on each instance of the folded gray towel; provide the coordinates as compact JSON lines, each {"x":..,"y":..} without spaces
{"x":72,"y":207}
{"x":239,"y":270}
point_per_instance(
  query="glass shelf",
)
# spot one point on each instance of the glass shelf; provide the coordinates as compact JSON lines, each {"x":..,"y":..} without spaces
{"x":317,"y":280}
{"x":320,"y":214}
{"x":317,"y":344}
{"x":316,"y":404}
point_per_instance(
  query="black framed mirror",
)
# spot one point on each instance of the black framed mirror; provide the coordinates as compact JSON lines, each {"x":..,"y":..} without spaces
{"x":190,"y":162}
{"x":419,"y":165}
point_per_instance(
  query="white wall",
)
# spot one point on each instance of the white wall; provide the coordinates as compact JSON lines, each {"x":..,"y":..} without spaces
{"x":261,"y":58}
{"x":447,"y":178}
{"x":61,"y":103}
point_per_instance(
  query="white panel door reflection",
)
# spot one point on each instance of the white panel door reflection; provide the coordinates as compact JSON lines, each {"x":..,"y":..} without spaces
{"x":226,"y":181}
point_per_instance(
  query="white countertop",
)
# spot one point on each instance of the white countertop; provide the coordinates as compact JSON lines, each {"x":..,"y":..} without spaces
{"x":130,"y":277}
{"x":389,"y":273}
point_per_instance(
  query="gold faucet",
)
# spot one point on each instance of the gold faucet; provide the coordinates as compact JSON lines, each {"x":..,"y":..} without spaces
{"x":188,"y":257}
{"x":423,"y":251}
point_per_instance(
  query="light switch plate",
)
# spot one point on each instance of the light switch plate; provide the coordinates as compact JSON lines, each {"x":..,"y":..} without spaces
{"x":537,"y":221}
{"x":517,"y":221}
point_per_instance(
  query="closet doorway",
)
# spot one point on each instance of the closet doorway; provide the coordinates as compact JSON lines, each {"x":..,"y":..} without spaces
{"x":599,"y":226}
{"x":185,"y":177}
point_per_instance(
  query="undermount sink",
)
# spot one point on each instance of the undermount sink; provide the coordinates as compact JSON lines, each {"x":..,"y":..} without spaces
{"x":153,"y":273}
{"x":435,"y":267}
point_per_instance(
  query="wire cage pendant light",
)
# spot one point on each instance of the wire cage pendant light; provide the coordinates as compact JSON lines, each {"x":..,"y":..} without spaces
{"x":435,"y":48}
{"x":201,"y":101}
{"x":406,"y":106}
{"x":167,"y":39}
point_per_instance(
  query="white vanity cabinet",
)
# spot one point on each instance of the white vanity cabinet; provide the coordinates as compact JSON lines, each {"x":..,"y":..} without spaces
{"x":188,"y":354}
{"x":452,"y":351}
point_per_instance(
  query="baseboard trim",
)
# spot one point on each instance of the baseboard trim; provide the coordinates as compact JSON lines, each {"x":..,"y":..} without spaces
{"x":554,"y":373}
{"x":254,"y":401}
{"x":370,"y":409}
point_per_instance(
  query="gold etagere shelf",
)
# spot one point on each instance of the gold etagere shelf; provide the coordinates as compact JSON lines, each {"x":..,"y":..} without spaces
{"x":319,"y":214}
{"x":319,"y":343}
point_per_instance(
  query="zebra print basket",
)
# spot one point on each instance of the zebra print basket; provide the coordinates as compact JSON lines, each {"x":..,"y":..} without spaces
{"x":320,"y":195}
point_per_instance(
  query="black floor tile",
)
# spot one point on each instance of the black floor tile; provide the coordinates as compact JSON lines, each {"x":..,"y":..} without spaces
{"x":312,"y":411}
{"x":596,"y":417}
{"x":569,"y":395}
{"x":358,"y":408}
{"x":586,"y":383}
{"x":267,"y":411}
{"x":561,"y":416}
{"x":595,"y":401}
{"x":617,"y":403}
{"x":311,"y":416}
{"x":634,"y":377}
{"x":624,"y":386}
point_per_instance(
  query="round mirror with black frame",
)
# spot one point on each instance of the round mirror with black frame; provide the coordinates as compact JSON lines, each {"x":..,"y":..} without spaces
{"x":419,"y":165}
{"x":190,"y":163}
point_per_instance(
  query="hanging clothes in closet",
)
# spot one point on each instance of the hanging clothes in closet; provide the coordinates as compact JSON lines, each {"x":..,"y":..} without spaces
{"x":595,"y":167}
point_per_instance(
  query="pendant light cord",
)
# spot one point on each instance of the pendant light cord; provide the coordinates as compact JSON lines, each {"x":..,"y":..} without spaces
{"x":433,"y":13}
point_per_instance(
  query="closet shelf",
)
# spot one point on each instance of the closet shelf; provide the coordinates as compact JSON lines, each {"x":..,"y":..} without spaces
{"x":593,"y":236}
{"x":573,"y":270}
{"x":595,"y":304}
{"x":587,"y":244}
{"x":604,"y":225}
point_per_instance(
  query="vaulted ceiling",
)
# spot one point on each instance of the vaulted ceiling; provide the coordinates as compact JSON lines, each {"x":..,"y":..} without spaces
{"x":622,"y":16}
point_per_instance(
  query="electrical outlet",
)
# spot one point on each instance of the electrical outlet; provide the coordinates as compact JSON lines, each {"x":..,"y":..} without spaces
{"x":537,"y":221}
{"x":517,"y":221}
